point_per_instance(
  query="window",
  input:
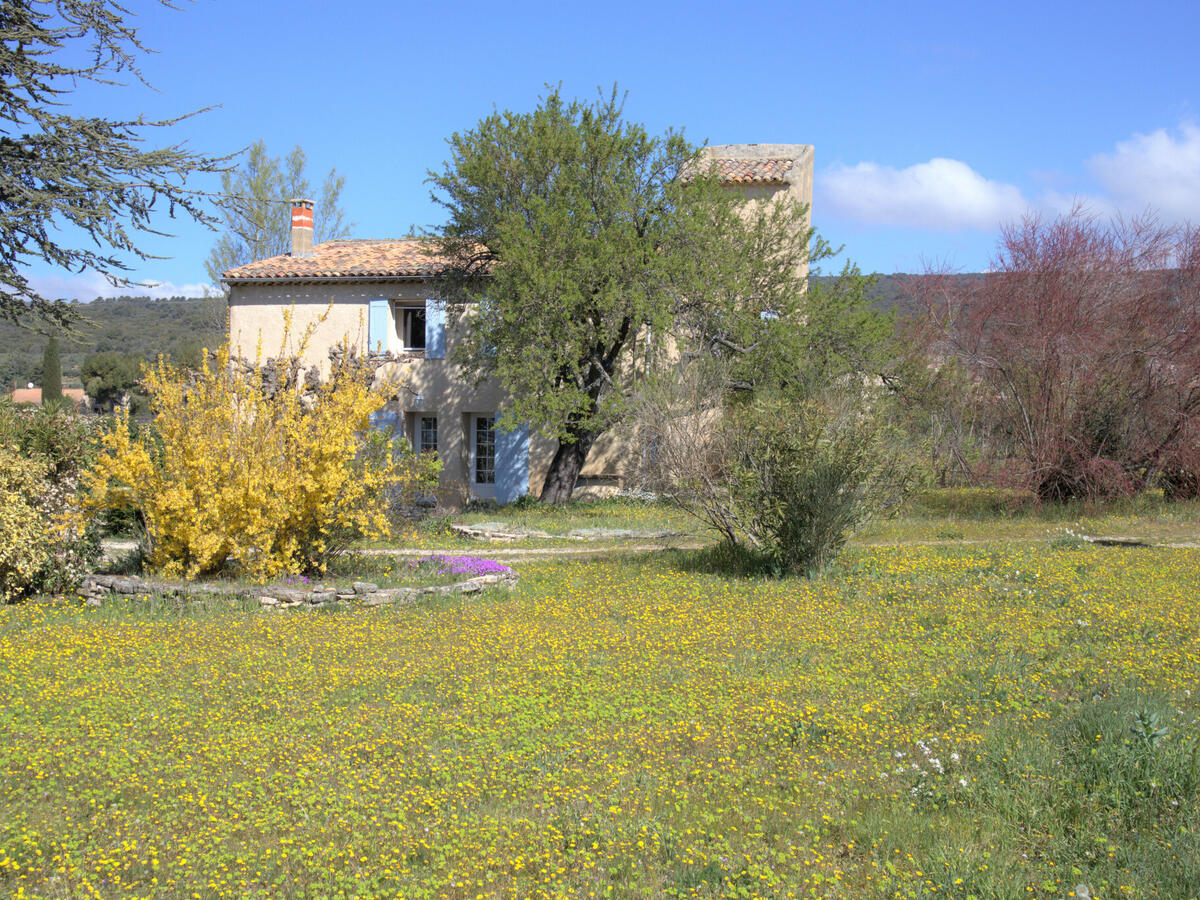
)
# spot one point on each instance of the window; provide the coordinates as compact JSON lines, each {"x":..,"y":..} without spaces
{"x":410,"y":326}
{"x":485,"y":449}
{"x":427,"y":438}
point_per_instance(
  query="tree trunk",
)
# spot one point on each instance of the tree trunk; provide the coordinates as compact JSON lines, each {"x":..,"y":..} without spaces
{"x":565,"y":468}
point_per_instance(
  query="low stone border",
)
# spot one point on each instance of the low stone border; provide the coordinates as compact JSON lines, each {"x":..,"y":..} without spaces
{"x":95,"y":589}
{"x":501,"y":532}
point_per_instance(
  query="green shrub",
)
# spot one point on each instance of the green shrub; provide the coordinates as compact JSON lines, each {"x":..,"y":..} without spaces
{"x":785,"y":481}
{"x":45,"y":543}
{"x":54,"y":432}
{"x":811,"y":475}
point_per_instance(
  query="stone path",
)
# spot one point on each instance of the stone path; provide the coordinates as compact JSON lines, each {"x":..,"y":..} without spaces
{"x":502,"y":532}
{"x":498,"y":553}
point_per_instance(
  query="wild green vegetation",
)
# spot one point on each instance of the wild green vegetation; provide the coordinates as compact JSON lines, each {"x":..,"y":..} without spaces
{"x":135,"y":326}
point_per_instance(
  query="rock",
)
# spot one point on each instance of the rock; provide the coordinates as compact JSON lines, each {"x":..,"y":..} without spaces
{"x":93,"y":601}
{"x":1115,"y":541}
{"x":365,"y":587}
{"x":497,"y":531}
{"x":117,"y":584}
{"x":268,"y":601}
{"x":388,"y":594}
{"x":346,"y":596}
{"x":321,"y":596}
{"x":289,"y":595}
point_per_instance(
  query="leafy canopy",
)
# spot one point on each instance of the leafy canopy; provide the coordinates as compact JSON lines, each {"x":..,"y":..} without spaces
{"x":93,"y":173}
{"x":109,"y":375}
{"x":575,"y":216}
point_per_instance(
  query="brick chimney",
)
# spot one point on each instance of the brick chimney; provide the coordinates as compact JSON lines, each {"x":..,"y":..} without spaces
{"x":302,"y":228}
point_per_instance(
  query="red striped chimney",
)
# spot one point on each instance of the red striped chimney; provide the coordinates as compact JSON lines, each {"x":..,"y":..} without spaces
{"x":302,"y":227}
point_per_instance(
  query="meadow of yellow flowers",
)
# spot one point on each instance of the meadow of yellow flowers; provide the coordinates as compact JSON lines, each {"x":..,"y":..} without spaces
{"x":989,"y":720}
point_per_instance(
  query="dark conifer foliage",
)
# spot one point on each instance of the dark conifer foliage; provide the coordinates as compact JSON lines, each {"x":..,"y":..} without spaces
{"x":51,"y":371}
{"x":106,"y":177}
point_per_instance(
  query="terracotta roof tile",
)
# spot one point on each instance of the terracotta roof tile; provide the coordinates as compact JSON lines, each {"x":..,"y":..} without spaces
{"x":761,"y":170}
{"x":34,"y":395}
{"x":346,"y":259}
{"x":412,"y":256}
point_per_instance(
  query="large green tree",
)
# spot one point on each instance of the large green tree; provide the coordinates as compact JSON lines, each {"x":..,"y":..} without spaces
{"x":108,"y":377}
{"x":256,"y":213}
{"x":102,"y":176}
{"x":574,"y":237}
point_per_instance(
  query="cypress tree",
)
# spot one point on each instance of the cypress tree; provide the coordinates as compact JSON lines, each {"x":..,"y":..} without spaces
{"x":51,"y":372}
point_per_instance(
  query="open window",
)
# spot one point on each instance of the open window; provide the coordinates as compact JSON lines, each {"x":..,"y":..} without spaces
{"x":410,"y":327}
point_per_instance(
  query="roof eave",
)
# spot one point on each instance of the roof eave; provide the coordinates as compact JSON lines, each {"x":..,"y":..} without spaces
{"x":324,"y":279}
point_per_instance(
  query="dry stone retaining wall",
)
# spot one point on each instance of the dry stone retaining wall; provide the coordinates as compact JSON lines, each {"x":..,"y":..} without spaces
{"x":97,"y":588}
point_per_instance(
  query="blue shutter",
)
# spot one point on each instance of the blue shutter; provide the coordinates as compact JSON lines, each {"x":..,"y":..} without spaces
{"x":435,"y":329}
{"x":377,"y":327}
{"x":512,"y":464}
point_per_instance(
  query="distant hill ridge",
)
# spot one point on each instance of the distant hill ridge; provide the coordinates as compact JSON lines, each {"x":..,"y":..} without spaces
{"x":147,"y":327}
{"x":139,"y":325}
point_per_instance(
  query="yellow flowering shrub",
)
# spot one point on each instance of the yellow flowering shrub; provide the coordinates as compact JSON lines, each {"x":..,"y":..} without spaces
{"x":242,"y":468}
{"x":24,"y":539}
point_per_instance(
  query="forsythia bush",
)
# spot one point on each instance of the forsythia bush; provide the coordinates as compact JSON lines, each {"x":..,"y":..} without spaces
{"x":243,"y":468}
{"x":24,"y":538}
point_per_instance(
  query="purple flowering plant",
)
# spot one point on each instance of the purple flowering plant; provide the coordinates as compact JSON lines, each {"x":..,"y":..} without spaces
{"x":462,"y":565}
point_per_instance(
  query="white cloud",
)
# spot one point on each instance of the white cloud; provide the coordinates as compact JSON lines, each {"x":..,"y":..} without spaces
{"x":90,"y":286}
{"x":942,"y":194}
{"x":1160,"y":170}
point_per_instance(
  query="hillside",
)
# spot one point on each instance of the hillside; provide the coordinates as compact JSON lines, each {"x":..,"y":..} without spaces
{"x":137,"y":325}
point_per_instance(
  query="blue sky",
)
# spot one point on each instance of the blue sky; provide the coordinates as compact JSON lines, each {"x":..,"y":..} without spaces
{"x":932,"y":122}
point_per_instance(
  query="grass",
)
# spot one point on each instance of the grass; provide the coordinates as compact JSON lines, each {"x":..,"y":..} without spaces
{"x":938,"y":516}
{"x":974,"y":516}
{"x":614,"y":513}
{"x":628,"y":727}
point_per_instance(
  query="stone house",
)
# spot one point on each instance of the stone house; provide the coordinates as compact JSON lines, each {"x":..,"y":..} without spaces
{"x":381,"y":295}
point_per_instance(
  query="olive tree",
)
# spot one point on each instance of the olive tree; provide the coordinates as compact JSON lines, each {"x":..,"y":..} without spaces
{"x":572,"y":235}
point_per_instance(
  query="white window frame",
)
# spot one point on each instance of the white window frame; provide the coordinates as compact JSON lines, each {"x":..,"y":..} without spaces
{"x":481,"y":490}
{"x":419,"y":432}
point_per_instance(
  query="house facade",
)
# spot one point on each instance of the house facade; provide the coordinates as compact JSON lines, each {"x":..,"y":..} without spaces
{"x":381,"y":296}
